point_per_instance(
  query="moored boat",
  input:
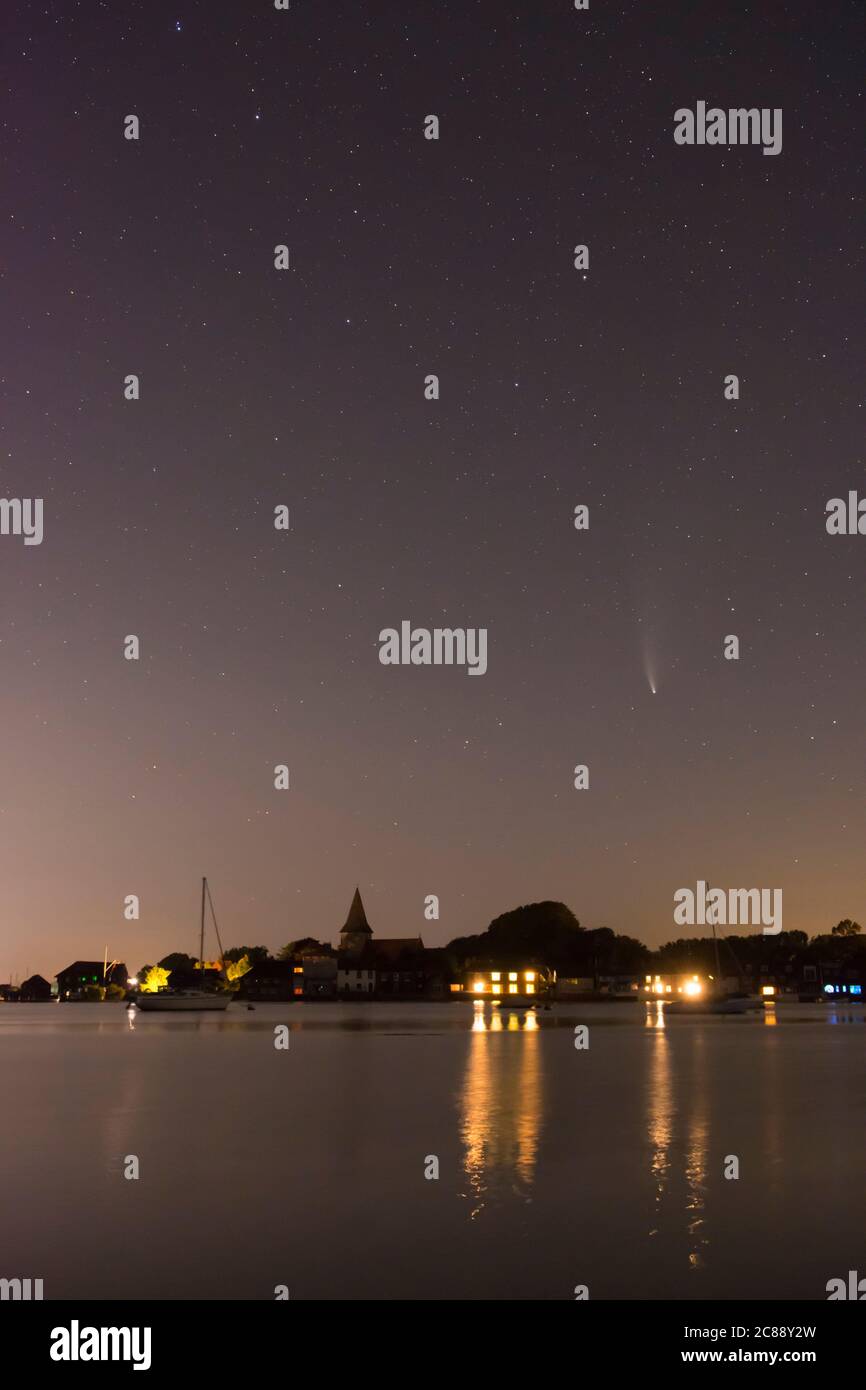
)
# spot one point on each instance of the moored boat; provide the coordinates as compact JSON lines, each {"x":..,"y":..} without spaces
{"x":720,"y":1004}
{"x":184,"y":1000}
{"x":713,"y":1001}
{"x":181,"y":1000}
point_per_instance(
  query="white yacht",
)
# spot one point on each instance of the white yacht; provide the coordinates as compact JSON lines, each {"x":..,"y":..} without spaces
{"x":170,"y":1000}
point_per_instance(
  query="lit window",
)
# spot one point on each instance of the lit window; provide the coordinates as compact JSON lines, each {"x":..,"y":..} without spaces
{"x":512,"y":989}
{"x":529,"y":974}
{"x":496,"y":989}
{"x":495,"y":975}
{"x":299,"y":970}
{"x":530,"y":989}
{"x":478,"y":987}
{"x":512,"y":974}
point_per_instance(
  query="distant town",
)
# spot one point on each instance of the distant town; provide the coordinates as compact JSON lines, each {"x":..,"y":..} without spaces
{"x":538,"y":952}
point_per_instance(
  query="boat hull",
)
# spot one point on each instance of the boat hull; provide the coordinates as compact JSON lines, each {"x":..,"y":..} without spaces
{"x":182,"y":1003}
{"x":686,"y":1007}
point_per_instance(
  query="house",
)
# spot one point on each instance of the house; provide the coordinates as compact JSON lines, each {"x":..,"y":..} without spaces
{"x":401,"y":967}
{"x":319,"y":975}
{"x":80,"y":979}
{"x":272,"y":979}
{"x":8,"y":994}
{"x":36,"y":990}
{"x":355,"y":978}
{"x":521,"y":981}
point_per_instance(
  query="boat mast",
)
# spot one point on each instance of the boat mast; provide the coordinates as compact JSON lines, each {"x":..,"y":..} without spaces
{"x":217,"y":931}
{"x":201,"y":934}
{"x":712,"y":919}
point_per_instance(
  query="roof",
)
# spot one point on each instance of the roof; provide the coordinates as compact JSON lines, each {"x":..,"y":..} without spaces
{"x":391,"y":948}
{"x":390,"y":953}
{"x":357,"y":918}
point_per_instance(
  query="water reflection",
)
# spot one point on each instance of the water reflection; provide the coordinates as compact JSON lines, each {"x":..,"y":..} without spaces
{"x":697,"y":1146}
{"x":661,"y":1134}
{"x":501,"y":1105}
{"x":660,"y":1113}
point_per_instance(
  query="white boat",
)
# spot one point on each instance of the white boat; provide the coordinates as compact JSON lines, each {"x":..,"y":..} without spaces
{"x":177,"y":1000}
{"x":721,"y":1004}
{"x":189,"y":1000}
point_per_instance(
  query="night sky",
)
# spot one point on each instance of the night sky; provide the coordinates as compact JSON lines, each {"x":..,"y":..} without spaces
{"x":306,"y":388}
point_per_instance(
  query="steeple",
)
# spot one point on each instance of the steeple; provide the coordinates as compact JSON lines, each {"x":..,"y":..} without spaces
{"x":356,"y":932}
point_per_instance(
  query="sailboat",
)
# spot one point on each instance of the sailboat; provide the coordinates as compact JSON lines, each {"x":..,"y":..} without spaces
{"x":170,"y":1000}
{"x":714,"y":1002}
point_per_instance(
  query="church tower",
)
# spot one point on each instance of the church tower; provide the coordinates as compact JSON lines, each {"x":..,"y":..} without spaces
{"x":356,"y":935}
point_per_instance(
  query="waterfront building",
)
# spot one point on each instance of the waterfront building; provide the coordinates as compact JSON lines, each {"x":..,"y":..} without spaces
{"x":82,"y":977}
{"x":35,"y":990}
{"x":516,"y":981}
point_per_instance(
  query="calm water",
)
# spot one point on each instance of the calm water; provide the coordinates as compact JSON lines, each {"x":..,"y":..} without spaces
{"x":306,"y":1168}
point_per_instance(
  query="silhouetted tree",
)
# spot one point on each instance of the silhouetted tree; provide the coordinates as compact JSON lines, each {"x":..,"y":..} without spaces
{"x":846,"y":928}
{"x":253,"y":953}
{"x":178,"y":960}
{"x":304,"y":946}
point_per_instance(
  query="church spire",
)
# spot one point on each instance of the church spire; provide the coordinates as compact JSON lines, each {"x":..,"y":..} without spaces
{"x":357,"y":918}
{"x":356,"y":932}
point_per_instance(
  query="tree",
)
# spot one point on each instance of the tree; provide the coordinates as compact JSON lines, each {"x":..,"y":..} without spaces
{"x":304,"y":946}
{"x":846,"y":928}
{"x":254,"y":953}
{"x":235,"y":969}
{"x":546,"y":931}
{"x":178,"y":960}
{"x":155,"y":978}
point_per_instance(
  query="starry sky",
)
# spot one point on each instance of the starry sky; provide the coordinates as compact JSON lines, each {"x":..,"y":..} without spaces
{"x":305,"y":388}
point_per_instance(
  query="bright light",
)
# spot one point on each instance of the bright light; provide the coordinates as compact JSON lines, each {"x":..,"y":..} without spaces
{"x":692,"y":987}
{"x":529,"y":974}
{"x":495,"y":975}
{"x":768,"y":991}
{"x":512,"y":974}
{"x":133,"y":982}
{"x":478,"y":987}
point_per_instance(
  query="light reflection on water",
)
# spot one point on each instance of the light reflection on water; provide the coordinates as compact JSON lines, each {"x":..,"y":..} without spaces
{"x":501,"y":1103}
{"x":554,"y":1161}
